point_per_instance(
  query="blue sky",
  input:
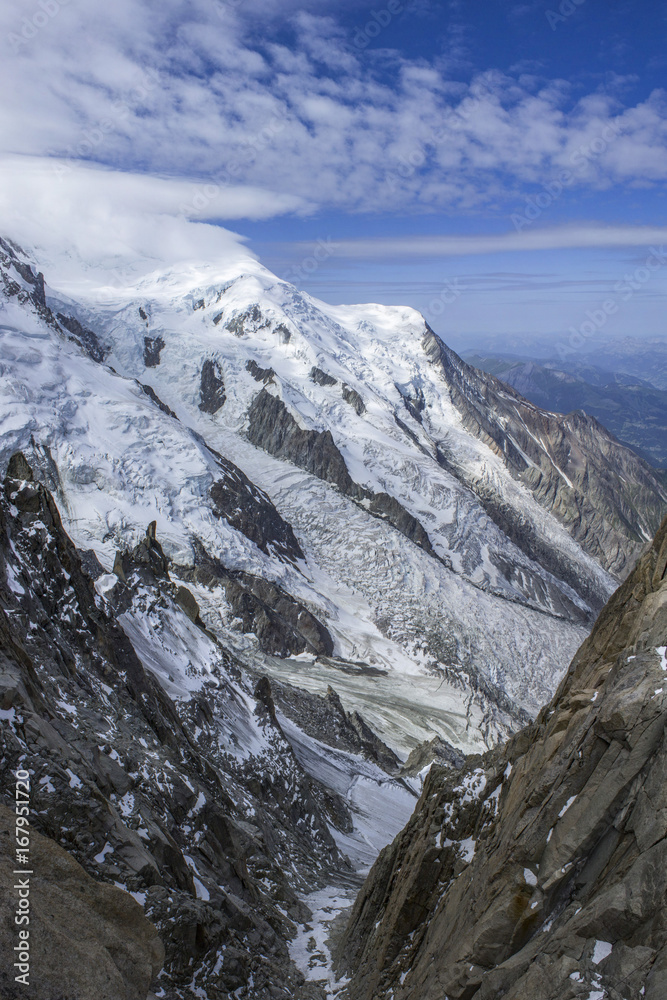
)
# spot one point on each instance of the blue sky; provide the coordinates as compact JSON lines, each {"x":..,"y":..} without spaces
{"x":499,"y":165}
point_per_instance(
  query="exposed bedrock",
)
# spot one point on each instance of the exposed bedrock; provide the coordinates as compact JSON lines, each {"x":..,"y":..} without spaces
{"x":272,"y":428}
{"x":87,"y":939}
{"x":211,"y":387}
{"x":141,"y":790}
{"x":283,"y":626}
{"x":153,"y":347}
{"x":248,"y":509}
{"x":610,"y":500}
{"x":539,"y":872}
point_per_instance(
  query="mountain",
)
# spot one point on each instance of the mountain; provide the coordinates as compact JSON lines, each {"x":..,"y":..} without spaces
{"x":161,"y":773}
{"x":339,"y":462}
{"x":262,"y":561}
{"x":539,"y":871}
{"x":633,"y":410}
{"x":638,"y":359}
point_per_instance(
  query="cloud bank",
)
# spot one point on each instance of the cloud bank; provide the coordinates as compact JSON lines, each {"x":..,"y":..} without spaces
{"x":209,"y":92}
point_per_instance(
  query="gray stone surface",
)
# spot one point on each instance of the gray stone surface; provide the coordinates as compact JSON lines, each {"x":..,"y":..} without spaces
{"x":539,"y":872}
{"x":88,"y":940}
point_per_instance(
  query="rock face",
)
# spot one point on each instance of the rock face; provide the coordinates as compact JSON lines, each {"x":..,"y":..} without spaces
{"x":153,"y":347}
{"x":539,"y":871}
{"x":283,"y":626}
{"x":88,"y":939}
{"x":630,"y":407}
{"x":274,"y":429}
{"x":248,"y":509}
{"x":161,"y":774}
{"x":212,"y":387}
{"x":352,"y":397}
{"x":574,"y":466}
{"x":322,"y":378}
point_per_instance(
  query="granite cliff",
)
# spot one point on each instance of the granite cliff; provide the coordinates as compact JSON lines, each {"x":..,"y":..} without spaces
{"x":539,"y":870}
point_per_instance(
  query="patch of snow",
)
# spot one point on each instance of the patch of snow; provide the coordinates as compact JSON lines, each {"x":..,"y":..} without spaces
{"x":74,"y":781}
{"x":601,"y":951}
{"x":107,"y":849}
{"x":529,"y":877}
{"x":566,"y":807}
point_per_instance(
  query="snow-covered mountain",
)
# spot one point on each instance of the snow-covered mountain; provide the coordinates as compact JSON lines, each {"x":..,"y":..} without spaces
{"x":255,"y":551}
{"x":349,"y":502}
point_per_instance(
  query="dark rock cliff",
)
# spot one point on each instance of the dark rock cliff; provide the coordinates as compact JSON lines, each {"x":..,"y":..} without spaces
{"x":539,"y":871}
{"x":610,"y":500}
{"x":272,"y":427}
{"x":196,"y":804}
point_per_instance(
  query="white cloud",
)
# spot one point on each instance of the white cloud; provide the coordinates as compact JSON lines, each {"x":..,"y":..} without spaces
{"x":551,"y":238}
{"x":200,"y":89}
{"x":84,"y":221}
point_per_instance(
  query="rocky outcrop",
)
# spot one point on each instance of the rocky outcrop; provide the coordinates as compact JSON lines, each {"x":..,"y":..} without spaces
{"x":248,"y":509}
{"x":162,"y":798}
{"x":322,"y":378}
{"x":265,"y":375}
{"x":33,"y":291}
{"x":608,"y":498}
{"x":86,"y":338}
{"x":539,"y":871}
{"x":272,"y":427}
{"x":352,"y":397}
{"x":211,"y":387}
{"x":87,"y":939}
{"x":153,"y":347}
{"x":151,"y":393}
{"x":325,"y":719}
{"x":283,"y":626}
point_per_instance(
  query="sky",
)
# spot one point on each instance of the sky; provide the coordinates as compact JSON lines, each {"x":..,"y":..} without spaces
{"x":500,"y":166}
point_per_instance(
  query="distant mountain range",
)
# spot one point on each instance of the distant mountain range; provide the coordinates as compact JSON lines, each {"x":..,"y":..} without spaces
{"x":628,"y":395}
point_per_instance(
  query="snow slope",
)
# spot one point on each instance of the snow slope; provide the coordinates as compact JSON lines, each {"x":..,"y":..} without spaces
{"x":455,"y":641}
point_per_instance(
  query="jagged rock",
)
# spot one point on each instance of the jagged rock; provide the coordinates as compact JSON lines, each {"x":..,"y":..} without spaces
{"x":540,"y":870}
{"x":248,"y":509}
{"x":153,"y":347}
{"x":212,"y":387}
{"x":87,"y":940}
{"x":151,"y":393}
{"x":608,"y":498}
{"x":186,"y":600}
{"x":437,"y":751}
{"x":352,"y":397}
{"x":247,"y":322}
{"x":414,"y":401}
{"x":138,"y":791}
{"x":322,"y":378}
{"x":147,"y":555}
{"x":265,"y":375}
{"x":274,"y":429}
{"x":88,"y":339}
{"x":325,"y":719}
{"x":283,"y":626}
